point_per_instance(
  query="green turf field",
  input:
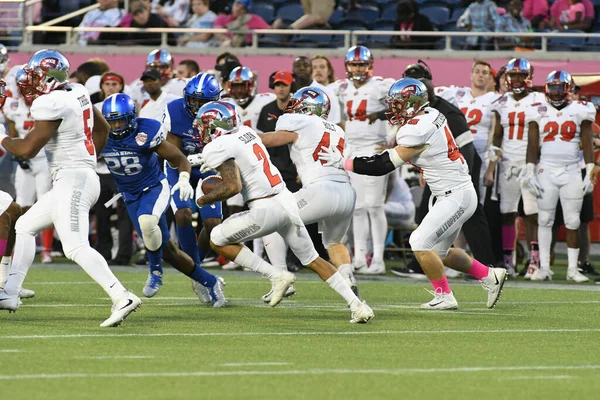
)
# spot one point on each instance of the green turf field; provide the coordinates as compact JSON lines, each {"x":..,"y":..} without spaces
{"x":541,"y":342}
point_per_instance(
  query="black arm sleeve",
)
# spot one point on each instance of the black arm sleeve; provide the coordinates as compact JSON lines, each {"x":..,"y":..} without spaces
{"x":377,"y":165}
{"x":468,"y":151}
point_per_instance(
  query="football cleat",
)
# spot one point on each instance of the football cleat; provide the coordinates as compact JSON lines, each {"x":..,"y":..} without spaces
{"x":280,"y":285}
{"x":46,"y":258}
{"x":576,"y":276}
{"x":26,"y":293}
{"x":202,"y":292}
{"x":153,"y":284}
{"x":542,"y":275}
{"x":217,"y":295}
{"x":9,"y":302}
{"x":288,"y":293}
{"x":121,"y":309}
{"x":362,"y":314}
{"x":493,"y":284}
{"x":441,"y":301}
{"x":376,"y":268}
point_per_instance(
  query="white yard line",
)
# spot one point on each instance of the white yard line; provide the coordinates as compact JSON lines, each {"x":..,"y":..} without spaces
{"x":9,"y":351}
{"x":539,"y":377}
{"x":342,"y":333}
{"x":406,"y":371}
{"x":254,"y":364}
{"x":114,"y":357}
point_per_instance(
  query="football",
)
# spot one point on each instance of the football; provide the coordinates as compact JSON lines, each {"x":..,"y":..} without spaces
{"x":209,"y":184}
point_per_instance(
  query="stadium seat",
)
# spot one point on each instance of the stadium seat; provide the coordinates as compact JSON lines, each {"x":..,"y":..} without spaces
{"x":437,"y":15}
{"x":321,"y":40}
{"x":456,"y":14}
{"x":290,"y":12}
{"x":366,"y":14}
{"x":266,"y":11}
{"x":377,"y":41}
{"x":352,"y":25}
{"x":438,"y":3}
{"x":458,"y":42}
{"x":592,"y":44}
{"x":565,"y":43}
{"x":388,"y":14}
{"x":336,"y":17}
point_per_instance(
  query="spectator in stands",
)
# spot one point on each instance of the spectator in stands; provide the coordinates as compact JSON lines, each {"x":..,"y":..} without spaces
{"x":536,"y":11}
{"x":322,"y":70}
{"x":480,"y":16}
{"x":142,"y":17}
{"x":572,"y":15}
{"x":108,"y":14}
{"x":316,"y":14}
{"x":202,"y":18}
{"x":186,"y":69}
{"x":409,"y":19}
{"x":174,"y":12}
{"x":302,"y":68}
{"x":513,"y":21}
{"x":240,"y":20}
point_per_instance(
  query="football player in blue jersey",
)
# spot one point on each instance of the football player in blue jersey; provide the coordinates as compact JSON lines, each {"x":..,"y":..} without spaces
{"x":178,"y":120}
{"x":131,"y":154}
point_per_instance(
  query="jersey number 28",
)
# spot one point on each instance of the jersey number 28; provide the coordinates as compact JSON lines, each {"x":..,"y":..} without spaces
{"x":124,"y":165}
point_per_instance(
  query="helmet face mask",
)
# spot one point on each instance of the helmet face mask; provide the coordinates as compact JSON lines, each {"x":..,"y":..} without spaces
{"x":407,"y":98}
{"x":121,"y":114}
{"x":162,"y":61}
{"x":519,"y":75}
{"x":359,"y":64}
{"x":558,"y":88}
{"x":46,"y":71}
{"x":214,"y":119}
{"x":241,"y":85}
{"x":309,"y":101}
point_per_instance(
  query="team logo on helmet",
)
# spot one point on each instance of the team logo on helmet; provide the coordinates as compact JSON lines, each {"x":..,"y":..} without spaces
{"x":49,"y":62}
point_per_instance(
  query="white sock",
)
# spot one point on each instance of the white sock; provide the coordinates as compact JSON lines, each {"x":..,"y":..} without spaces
{"x":249,"y":260}
{"x":4,"y":268}
{"x":378,"y":232}
{"x":572,"y":258}
{"x":258,"y":246}
{"x":544,"y":242}
{"x":346,"y":271}
{"x":96,"y":267}
{"x":276,"y":250}
{"x":24,"y":254}
{"x":337,"y":283}
{"x":360,"y":230}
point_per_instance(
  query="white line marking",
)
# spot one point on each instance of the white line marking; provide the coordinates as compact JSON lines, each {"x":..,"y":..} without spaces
{"x":407,"y":371}
{"x":254,"y":363}
{"x":115,"y":357}
{"x":342,"y":333}
{"x":537,"y":377}
{"x":10,"y":351}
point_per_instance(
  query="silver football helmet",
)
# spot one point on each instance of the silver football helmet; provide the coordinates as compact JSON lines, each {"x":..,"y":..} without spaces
{"x":359,"y":55}
{"x":559,"y":86}
{"x":406,"y":98}
{"x":241,"y":85}
{"x":46,"y":70}
{"x":3,"y":58}
{"x":519,"y":75}
{"x":310,"y":101}
{"x":214,"y":119}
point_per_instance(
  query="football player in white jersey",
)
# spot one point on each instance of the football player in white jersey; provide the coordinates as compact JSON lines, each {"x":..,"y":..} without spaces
{"x":162,"y":61}
{"x":158,"y":98}
{"x":238,"y":154}
{"x":361,"y":97}
{"x":514,"y":111}
{"x":476,"y":103}
{"x":563,"y":127}
{"x":9,"y":213}
{"x":32,"y":177}
{"x":64,"y":122}
{"x":326,"y":197}
{"x":424,"y":140}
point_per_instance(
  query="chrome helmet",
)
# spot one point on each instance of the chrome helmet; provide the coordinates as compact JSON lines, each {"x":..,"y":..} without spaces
{"x":46,"y":70}
{"x":162,"y":61}
{"x":310,"y":101}
{"x":215,"y":119}
{"x":2,"y":93}
{"x":3,"y":58}
{"x":27,"y":91}
{"x":359,"y":55}
{"x":241,"y":85}
{"x":519,"y":75}
{"x":406,"y":98}
{"x":559,"y":85}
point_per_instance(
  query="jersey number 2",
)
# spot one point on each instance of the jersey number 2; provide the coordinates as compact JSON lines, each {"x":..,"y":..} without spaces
{"x":274,"y":180}
{"x":89,"y":143}
{"x":325,"y":142}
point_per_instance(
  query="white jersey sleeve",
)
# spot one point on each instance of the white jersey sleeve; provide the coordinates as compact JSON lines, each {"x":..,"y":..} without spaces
{"x":44,"y":110}
{"x":166,"y":120}
{"x":216,"y":153}
{"x":417,"y":132}
{"x":447,"y":93}
{"x":292,"y":122}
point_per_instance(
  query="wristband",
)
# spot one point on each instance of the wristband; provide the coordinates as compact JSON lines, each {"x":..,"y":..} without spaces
{"x":588,"y":168}
{"x":349,"y":164}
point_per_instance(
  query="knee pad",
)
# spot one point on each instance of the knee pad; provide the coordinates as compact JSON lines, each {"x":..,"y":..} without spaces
{"x":572,"y":221}
{"x":151,"y":233}
{"x":417,"y":241}
{"x":71,"y":252}
{"x":217,"y":237}
{"x":546,"y":218}
{"x":21,"y":226}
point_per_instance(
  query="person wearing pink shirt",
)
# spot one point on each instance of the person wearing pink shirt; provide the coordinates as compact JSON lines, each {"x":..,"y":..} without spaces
{"x":239,"y":19}
{"x":561,"y":12}
{"x":536,"y":11}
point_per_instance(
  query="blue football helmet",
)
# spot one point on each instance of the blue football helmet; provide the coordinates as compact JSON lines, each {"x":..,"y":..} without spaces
{"x":519,"y":75}
{"x":406,"y":98}
{"x":360,"y":55}
{"x":120,"y":112}
{"x":215,"y":119}
{"x":559,"y":86}
{"x":241,"y":85}
{"x":200,"y":89}
{"x":46,"y":70}
{"x":310,"y":101}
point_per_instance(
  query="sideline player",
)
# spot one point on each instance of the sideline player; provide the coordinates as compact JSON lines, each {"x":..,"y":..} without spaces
{"x":238,"y":154}
{"x":326,"y":197}
{"x":64,"y":121}
{"x":425,"y":141}
{"x":131,"y":154}
{"x":563,"y":127}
